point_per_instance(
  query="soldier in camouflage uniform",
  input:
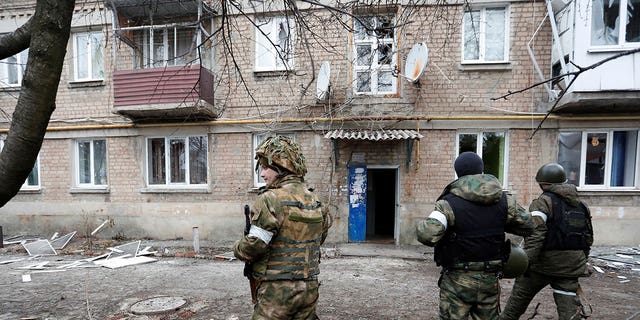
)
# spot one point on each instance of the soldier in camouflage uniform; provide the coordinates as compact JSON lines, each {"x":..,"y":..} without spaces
{"x":467,"y":229}
{"x":288,"y":225}
{"x":557,"y":250}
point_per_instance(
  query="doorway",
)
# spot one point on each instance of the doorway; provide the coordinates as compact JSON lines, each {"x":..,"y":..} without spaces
{"x":381,"y":204}
{"x":373,"y":198}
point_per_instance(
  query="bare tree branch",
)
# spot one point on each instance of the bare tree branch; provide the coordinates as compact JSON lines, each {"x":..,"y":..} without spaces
{"x":15,"y":42}
{"x":575,"y":75}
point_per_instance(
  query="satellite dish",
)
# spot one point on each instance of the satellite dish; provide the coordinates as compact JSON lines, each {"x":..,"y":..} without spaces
{"x":416,"y":62}
{"x":322,"y":90}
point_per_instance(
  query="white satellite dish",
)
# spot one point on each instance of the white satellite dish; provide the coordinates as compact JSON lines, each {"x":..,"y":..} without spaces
{"x":322,"y":90}
{"x":416,"y":62}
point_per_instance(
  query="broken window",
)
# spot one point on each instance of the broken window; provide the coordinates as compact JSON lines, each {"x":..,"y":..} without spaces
{"x":600,"y":158}
{"x":88,"y":58}
{"x":274,"y":44}
{"x":12,"y":69}
{"x":490,"y":146}
{"x":375,"y":55}
{"x":485,"y":35}
{"x":91,"y":162}
{"x":607,"y":17}
{"x":177,"y":160}
{"x":33,"y":180}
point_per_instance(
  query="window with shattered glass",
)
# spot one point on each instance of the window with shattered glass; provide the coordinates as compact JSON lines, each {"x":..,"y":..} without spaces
{"x":274,"y":44}
{"x":375,"y":55}
{"x":491,"y":146}
{"x":615,"y":22}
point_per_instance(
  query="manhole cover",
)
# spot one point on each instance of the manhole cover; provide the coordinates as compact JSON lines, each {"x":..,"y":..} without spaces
{"x":158,"y":305}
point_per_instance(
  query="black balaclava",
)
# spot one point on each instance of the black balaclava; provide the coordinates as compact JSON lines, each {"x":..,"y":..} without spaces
{"x":468,"y":163}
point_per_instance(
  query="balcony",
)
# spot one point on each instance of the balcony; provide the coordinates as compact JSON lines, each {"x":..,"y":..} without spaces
{"x":163,"y":60}
{"x":169,"y":94}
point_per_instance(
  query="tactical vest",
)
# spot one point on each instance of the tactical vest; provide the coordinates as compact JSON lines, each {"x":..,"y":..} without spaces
{"x":295,"y":251}
{"x":478,"y":233}
{"x":569,"y":227}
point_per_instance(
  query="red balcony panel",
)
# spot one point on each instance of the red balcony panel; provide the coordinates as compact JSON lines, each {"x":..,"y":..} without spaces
{"x":168,"y":93}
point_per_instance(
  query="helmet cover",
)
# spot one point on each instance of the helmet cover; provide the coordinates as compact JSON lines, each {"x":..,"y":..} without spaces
{"x":282,"y":152}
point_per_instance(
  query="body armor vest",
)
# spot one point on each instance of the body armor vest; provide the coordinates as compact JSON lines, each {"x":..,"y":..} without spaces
{"x":295,"y":251}
{"x":569,"y":227}
{"x":478,"y":233}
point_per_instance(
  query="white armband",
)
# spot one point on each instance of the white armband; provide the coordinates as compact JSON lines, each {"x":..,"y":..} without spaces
{"x":440,"y":217}
{"x":540,"y":214}
{"x":260,"y":233}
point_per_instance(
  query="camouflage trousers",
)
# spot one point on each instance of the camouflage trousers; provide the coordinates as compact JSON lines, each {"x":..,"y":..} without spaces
{"x":286,"y":299}
{"x":528,"y":285}
{"x":466,"y":294}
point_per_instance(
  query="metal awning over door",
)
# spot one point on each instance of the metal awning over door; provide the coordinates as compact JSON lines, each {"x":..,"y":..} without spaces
{"x":374,"y":135}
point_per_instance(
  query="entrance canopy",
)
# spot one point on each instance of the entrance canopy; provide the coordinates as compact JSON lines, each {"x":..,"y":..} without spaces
{"x":374,"y":135}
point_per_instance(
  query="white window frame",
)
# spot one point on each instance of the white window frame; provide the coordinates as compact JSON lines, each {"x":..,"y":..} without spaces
{"x":269,"y":55}
{"x":35,"y":171}
{"x":257,"y":139}
{"x":608,"y":161}
{"x":167,"y":163}
{"x":93,"y":183}
{"x":482,"y":33}
{"x":621,"y":32}
{"x":374,"y":68}
{"x":168,"y":59}
{"x":91,"y":68}
{"x":479,"y":150}
{"x":20,"y":64}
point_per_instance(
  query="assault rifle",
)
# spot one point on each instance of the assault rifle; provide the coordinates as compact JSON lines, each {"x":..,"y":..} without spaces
{"x":253,"y":284}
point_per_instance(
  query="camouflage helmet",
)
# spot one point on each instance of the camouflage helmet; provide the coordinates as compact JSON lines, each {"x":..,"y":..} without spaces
{"x":516,"y":264}
{"x":282,"y":152}
{"x":551,"y":173}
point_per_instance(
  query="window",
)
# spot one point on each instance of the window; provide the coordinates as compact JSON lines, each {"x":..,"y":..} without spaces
{"x":375,"y":55}
{"x":274,"y":44}
{"x":175,"y":161}
{"x":485,"y":35}
{"x":600,"y":159}
{"x":606,"y":18}
{"x":91,"y":159}
{"x":12,"y":69}
{"x":33,"y":180}
{"x":257,"y":139}
{"x":162,"y":47}
{"x":88,"y":62}
{"x":491,"y":146}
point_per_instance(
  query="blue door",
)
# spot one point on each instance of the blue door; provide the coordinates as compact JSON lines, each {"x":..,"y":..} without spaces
{"x":357,"y":202}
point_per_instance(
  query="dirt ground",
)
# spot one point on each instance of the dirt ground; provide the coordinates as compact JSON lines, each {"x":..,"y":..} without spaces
{"x":358,"y":281}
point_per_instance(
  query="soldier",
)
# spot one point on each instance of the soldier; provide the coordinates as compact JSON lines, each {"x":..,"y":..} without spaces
{"x":557,"y":250}
{"x":288,"y":225}
{"x":467,"y":229}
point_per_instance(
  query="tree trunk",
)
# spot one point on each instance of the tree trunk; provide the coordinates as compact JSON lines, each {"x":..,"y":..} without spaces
{"x":50,"y":29}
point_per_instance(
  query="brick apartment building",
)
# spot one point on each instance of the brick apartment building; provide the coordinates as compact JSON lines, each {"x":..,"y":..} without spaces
{"x":162,"y":103}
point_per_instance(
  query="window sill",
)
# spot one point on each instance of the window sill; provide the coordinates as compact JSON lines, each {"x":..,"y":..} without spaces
{"x":605,"y":49}
{"x":10,"y":88}
{"x":501,"y":66}
{"x":174,"y":190}
{"x":30,"y":191}
{"x":607,"y":191}
{"x":78,"y":190}
{"x":86,"y":84}
{"x":271,"y":73}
